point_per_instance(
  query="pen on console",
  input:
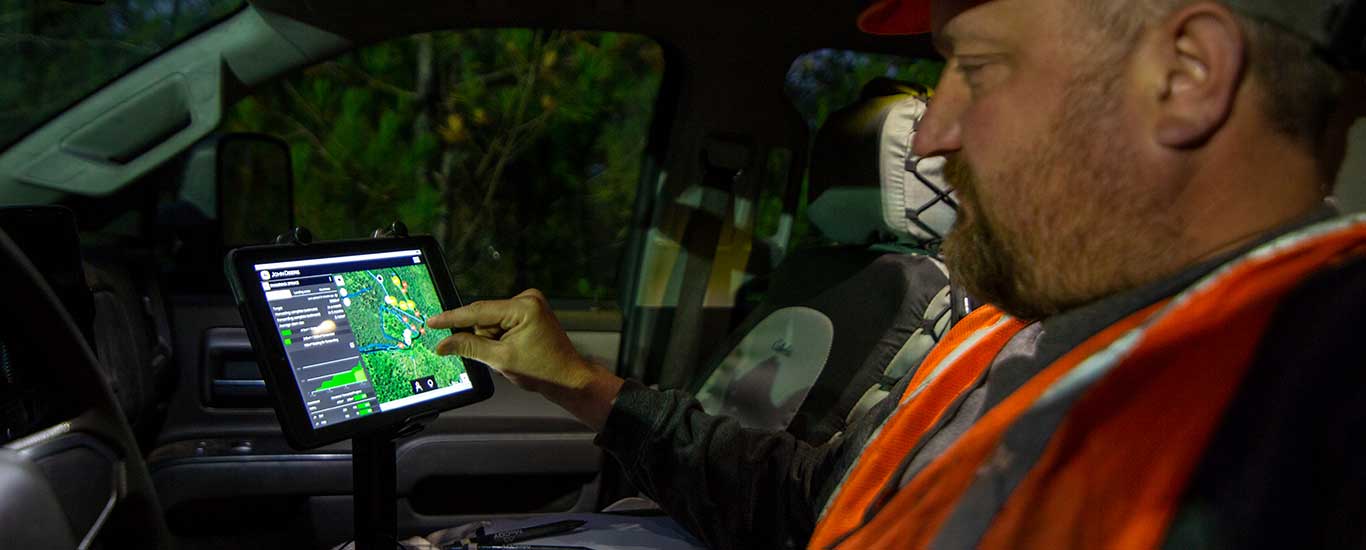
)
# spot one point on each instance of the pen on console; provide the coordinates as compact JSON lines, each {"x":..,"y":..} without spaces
{"x":525,"y":533}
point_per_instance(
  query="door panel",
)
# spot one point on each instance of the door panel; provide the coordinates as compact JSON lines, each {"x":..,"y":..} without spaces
{"x":219,"y":447}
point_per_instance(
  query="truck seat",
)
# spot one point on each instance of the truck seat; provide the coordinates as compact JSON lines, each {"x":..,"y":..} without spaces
{"x":841,"y":323}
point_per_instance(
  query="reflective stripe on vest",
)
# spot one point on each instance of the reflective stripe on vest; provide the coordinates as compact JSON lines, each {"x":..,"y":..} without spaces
{"x":1146,"y":395}
{"x":964,"y":354}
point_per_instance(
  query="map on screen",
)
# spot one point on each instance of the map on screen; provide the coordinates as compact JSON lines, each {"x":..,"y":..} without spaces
{"x":354,"y":329}
{"x":388,"y":310}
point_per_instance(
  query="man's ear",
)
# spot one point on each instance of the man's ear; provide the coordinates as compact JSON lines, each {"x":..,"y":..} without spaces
{"x":1200,"y":52}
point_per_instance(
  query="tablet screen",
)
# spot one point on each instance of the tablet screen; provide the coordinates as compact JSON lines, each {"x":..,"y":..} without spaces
{"x":354,"y":330}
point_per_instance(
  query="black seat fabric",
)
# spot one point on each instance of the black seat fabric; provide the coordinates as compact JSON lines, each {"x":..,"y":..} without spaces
{"x":819,"y":348}
{"x":131,"y":341}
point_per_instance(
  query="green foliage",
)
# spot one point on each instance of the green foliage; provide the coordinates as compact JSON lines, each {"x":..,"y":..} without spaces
{"x":392,"y":372}
{"x":823,"y":81}
{"x":392,"y":358}
{"x":776,"y":180}
{"x":519,"y":150}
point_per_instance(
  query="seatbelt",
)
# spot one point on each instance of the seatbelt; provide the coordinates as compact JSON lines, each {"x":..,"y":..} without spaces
{"x":723,"y":161}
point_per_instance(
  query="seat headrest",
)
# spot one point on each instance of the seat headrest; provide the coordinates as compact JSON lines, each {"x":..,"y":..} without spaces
{"x":864,"y":184}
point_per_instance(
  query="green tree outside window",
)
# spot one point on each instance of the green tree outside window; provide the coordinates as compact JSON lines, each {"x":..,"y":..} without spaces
{"x":520,"y":150}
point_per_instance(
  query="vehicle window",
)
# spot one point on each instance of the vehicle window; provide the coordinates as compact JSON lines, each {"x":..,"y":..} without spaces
{"x":823,"y":81}
{"x":519,"y":150}
{"x":819,"y":83}
{"x":53,"y":53}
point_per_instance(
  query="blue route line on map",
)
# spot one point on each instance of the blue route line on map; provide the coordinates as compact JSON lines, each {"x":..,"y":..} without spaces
{"x":381,"y":309}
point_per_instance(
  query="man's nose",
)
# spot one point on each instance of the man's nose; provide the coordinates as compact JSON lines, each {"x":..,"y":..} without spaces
{"x":939,"y":132}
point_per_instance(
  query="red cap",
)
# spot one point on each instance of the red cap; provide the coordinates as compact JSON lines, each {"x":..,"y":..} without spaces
{"x":890,"y":17}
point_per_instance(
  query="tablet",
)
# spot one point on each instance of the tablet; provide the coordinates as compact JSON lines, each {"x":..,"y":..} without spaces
{"x":339,"y":330}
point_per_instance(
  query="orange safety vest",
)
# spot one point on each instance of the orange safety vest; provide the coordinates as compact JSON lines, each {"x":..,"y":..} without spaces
{"x":1114,"y":471}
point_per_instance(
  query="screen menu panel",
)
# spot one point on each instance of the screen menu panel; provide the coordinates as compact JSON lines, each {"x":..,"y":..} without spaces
{"x":354,"y":330}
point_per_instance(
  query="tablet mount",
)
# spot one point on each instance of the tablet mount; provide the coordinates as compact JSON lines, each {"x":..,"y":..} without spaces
{"x":374,"y":471}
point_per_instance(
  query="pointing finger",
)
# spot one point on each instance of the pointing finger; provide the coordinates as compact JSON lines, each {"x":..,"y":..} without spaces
{"x":490,"y":313}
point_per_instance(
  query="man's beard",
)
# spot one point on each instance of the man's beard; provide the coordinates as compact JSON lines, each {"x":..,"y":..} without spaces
{"x":978,"y":258}
{"x":1069,"y":221}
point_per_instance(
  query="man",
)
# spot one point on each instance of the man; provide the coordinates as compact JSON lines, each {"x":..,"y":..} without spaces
{"x":1168,"y":357}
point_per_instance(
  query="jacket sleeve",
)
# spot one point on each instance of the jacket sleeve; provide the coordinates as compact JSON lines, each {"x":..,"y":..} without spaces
{"x":733,"y":487}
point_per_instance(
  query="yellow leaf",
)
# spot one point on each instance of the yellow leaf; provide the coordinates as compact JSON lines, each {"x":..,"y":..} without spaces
{"x":453,"y":131}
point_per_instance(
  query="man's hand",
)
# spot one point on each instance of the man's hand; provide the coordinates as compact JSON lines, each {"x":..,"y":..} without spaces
{"x":522,"y":339}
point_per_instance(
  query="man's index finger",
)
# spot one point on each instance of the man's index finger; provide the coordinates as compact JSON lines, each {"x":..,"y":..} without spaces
{"x":490,"y":313}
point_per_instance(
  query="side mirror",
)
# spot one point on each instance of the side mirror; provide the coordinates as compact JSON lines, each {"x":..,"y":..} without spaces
{"x":234,"y":190}
{"x":255,"y":188}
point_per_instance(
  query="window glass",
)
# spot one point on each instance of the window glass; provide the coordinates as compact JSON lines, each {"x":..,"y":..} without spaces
{"x":519,"y":150}
{"x":54,"y":53}
{"x":768,"y":223}
{"x":822,"y":82}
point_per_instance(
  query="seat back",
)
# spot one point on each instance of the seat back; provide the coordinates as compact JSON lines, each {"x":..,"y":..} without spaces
{"x":832,"y":334}
{"x":86,"y":454}
{"x":131,"y":337}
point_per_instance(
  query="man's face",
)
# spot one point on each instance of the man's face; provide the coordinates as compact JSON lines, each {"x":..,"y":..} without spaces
{"x":1040,"y":138}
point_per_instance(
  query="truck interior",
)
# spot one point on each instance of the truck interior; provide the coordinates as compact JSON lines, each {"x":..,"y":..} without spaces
{"x":571,"y":146}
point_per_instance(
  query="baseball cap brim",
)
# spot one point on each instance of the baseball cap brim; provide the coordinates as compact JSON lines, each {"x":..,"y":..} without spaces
{"x":893,"y":17}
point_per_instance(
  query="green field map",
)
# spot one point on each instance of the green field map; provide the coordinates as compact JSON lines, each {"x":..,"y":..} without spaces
{"x":388,"y":310}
